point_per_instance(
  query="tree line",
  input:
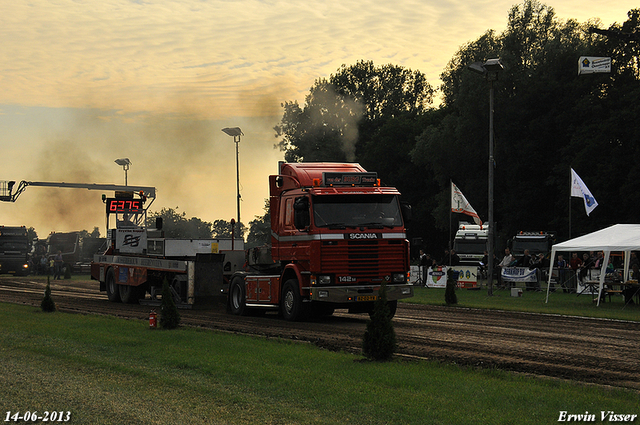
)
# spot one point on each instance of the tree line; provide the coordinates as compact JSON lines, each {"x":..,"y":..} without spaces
{"x":547,"y":120}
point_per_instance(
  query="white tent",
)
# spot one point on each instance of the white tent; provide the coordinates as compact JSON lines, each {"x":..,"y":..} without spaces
{"x":619,"y":237}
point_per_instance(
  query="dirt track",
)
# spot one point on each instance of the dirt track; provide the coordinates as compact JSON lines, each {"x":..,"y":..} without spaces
{"x":596,"y":351}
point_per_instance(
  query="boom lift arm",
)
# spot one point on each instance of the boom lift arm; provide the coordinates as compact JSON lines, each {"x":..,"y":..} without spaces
{"x":7,"y":194}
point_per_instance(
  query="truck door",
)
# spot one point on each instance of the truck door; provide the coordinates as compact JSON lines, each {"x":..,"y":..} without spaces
{"x":295,"y":242}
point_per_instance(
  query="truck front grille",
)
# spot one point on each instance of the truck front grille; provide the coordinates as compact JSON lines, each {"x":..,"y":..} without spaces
{"x":364,"y":260}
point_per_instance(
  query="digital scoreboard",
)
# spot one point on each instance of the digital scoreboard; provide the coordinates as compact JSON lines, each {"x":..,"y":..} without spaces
{"x":124,"y":205}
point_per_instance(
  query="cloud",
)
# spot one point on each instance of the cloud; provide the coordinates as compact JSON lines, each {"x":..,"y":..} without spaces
{"x":87,"y":81}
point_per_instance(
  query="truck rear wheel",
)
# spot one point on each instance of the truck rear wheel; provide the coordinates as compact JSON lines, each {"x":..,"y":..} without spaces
{"x":291,"y":301}
{"x":237,"y":298}
{"x":129,"y":294}
{"x":112,"y":287}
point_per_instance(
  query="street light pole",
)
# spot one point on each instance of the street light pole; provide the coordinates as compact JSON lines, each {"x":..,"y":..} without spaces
{"x":491,"y":167}
{"x":235,"y":132}
{"x":490,"y":70}
{"x":125,"y":163}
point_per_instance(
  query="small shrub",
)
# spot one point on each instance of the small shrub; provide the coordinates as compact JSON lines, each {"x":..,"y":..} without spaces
{"x":47,"y":303}
{"x":379,"y":340}
{"x":169,"y":315}
{"x":450,"y":296}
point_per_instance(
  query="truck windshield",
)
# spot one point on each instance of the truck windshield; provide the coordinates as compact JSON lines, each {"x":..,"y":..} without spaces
{"x":7,"y":244}
{"x":356,"y":211}
{"x":533,"y":245}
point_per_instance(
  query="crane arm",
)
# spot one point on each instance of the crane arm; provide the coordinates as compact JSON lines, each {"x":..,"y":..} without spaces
{"x":8,"y":194}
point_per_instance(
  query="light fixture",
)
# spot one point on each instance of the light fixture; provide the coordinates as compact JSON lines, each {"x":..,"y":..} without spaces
{"x":124,"y":163}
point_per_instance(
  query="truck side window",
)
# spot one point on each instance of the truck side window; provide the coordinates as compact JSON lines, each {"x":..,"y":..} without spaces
{"x":302,"y":217}
{"x":288,"y":214}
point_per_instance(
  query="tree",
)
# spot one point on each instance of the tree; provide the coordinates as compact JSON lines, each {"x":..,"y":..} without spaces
{"x":450,"y":296}
{"x":177,"y":225}
{"x":547,"y":120}
{"x":379,"y":342}
{"x":84,"y":234}
{"x":169,"y":315}
{"x":345,"y":109}
{"x":221,"y":229}
{"x":47,"y":304}
{"x":260,"y":229}
{"x":31,"y":234}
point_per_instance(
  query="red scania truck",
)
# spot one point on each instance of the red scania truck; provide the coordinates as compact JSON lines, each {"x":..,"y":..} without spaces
{"x":337,"y":236}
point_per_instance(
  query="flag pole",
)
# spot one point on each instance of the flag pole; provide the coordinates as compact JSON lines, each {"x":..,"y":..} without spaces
{"x":570,"y":196}
{"x":450,"y":217}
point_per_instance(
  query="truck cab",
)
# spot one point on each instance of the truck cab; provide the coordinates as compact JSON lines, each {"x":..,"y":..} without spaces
{"x":337,"y":237}
{"x":470,"y":242}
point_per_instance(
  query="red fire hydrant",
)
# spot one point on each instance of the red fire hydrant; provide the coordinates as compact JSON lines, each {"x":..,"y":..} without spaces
{"x":153,"y":319}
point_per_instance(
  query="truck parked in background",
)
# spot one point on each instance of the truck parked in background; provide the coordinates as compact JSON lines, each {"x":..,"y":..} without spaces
{"x":470,"y":242}
{"x":539,"y":242}
{"x":14,"y":250}
{"x":337,"y":236}
{"x":77,"y":253}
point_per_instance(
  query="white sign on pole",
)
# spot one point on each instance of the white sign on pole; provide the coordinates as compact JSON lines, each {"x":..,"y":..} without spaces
{"x":594,"y":65}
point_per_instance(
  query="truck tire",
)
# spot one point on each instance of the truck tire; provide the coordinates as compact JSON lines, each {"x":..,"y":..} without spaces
{"x":129,"y":294}
{"x":237,"y":297}
{"x":112,"y":287}
{"x":393,"y":306}
{"x":291,"y":301}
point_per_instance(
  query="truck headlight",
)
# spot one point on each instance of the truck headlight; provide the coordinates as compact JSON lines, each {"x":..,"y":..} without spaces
{"x":398,"y":278}
{"x":324,"y":279}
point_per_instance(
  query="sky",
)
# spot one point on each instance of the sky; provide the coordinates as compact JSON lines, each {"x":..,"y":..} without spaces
{"x":85,"y":82}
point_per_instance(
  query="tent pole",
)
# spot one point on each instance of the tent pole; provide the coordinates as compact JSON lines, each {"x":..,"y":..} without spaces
{"x":603,"y":271}
{"x":553,"y":256}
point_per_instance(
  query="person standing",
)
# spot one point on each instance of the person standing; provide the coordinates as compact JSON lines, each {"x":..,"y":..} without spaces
{"x":562,"y":273}
{"x":423,"y":267}
{"x":57,"y":266}
{"x":575,"y":263}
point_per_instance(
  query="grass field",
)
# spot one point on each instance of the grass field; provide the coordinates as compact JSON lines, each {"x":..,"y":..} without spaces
{"x":105,"y":370}
{"x":533,"y":302}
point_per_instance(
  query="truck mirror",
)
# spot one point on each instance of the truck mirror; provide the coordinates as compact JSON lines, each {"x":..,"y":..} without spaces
{"x":159,"y":223}
{"x":407,"y":215}
{"x":301,"y":217}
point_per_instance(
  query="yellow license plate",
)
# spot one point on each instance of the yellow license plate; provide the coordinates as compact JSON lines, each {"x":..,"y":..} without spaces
{"x":366,"y":298}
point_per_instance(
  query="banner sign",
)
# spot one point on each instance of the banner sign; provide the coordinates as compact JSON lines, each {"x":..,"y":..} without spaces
{"x":357,"y":179}
{"x":467,"y":276}
{"x":519,"y":274}
{"x":437,"y":277}
{"x":131,"y":241}
{"x":594,"y":65}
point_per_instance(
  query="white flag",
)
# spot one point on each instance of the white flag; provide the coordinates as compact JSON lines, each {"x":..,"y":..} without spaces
{"x":459,"y":204}
{"x":580,"y":190}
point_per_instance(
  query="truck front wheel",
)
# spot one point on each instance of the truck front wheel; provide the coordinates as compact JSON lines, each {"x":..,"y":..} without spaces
{"x":291,"y":301}
{"x":113,"y":292}
{"x":237,"y":299}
